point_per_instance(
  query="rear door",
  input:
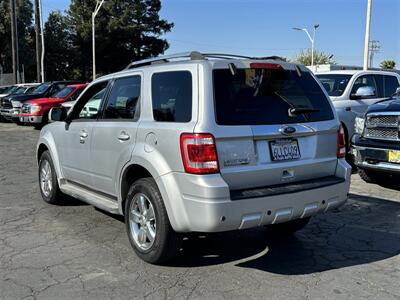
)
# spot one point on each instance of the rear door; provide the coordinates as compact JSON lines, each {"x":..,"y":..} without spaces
{"x":262,"y":139}
{"x":114,"y":134}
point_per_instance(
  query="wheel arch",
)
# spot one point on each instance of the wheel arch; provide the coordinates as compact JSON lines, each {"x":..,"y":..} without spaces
{"x":141,"y":168}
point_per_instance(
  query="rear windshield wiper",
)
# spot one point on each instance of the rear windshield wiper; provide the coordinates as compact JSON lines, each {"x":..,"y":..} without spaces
{"x":294,"y":111}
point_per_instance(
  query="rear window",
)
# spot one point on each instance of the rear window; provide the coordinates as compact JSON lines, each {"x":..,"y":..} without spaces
{"x":264,"y":97}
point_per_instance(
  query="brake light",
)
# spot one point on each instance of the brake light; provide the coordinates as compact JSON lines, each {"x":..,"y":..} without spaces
{"x":199,"y":155}
{"x":341,"y":143}
{"x":265,"y":66}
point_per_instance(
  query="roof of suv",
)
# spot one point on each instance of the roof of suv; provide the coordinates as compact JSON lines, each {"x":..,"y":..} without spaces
{"x":195,"y":57}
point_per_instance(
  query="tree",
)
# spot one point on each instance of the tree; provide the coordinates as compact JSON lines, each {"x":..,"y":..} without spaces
{"x":26,"y":41}
{"x":60,"y":52}
{"x":320,"y":58}
{"x":126,"y":30}
{"x":388,"y":64}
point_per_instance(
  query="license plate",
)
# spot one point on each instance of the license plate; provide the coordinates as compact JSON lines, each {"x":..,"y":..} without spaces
{"x":285,"y":149}
{"x":394,"y":156}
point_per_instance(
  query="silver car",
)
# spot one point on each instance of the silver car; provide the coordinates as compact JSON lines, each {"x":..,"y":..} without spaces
{"x":198,"y":143}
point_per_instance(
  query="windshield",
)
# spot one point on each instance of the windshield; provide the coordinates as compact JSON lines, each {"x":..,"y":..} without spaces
{"x":334,"y":84}
{"x":63,"y":93}
{"x":41,"y":88}
{"x":265,"y":96}
{"x":11,"y":89}
{"x":20,"y":90}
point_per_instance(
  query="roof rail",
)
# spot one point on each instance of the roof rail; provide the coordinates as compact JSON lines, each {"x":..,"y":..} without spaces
{"x":193,"y":55}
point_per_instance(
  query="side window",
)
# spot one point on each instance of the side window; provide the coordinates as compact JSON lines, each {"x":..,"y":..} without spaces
{"x":391,"y":84}
{"x":379,"y":85}
{"x":364,"y":81}
{"x":124,"y":99}
{"x":88,"y":106}
{"x":75,"y":95}
{"x":171,"y":94}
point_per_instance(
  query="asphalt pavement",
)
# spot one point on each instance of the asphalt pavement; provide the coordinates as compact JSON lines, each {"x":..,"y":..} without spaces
{"x":75,"y":251}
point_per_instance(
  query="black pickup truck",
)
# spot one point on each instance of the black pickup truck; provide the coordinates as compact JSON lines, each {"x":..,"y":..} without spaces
{"x":376,"y":142}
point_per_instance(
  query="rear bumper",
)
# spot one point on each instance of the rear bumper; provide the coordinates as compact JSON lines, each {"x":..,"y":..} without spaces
{"x":204,"y":203}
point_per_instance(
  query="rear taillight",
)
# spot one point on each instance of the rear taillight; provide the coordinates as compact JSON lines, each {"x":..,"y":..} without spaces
{"x":199,"y":154}
{"x":341,"y":143}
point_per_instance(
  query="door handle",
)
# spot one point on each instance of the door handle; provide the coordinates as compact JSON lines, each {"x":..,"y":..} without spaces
{"x":83,"y":134}
{"x":123,"y":136}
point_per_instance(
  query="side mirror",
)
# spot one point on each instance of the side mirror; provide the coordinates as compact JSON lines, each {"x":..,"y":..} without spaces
{"x":57,"y":114}
{"x":397,"y":93}
{"x":364,"y":92}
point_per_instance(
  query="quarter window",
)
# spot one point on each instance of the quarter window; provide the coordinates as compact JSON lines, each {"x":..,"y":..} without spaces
{"x":172,"y":96}
{"x":124,"y":99}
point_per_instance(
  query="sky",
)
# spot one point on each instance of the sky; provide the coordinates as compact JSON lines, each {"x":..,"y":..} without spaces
{"x":264,"y":27}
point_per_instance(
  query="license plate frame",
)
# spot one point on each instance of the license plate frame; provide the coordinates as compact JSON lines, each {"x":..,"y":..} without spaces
{"x":280,"y":154}
{"x":394,"y":156}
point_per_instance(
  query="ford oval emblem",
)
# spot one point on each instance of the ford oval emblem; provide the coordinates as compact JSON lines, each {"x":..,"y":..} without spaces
{"x":289,"y":130}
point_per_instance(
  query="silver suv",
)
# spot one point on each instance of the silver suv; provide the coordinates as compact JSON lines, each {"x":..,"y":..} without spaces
{"x":198,"y":143}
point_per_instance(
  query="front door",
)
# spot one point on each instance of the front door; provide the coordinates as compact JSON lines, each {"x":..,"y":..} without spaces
{"x":113,"y":137}
{"x":359,"y":106}
{"x":75,"y":140}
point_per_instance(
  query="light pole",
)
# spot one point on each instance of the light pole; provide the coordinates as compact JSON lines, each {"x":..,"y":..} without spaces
{"x":42,"y":40}
{"x":99,"y":3}
{"x":312,"y":39}
{"x":367,"y":32}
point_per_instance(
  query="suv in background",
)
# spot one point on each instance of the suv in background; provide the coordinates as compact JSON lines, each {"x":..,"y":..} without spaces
{"x":352,"y":91}
{"x":198,"y":143}
{"x":12,"y":104}
{"x":35,"y":112}
{"x":376,"y":143}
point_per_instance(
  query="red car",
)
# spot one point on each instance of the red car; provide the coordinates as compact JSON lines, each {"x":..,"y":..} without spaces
{"x":35,"y":112}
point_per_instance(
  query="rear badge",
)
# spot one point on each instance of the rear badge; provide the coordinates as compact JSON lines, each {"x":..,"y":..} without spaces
{"x":236,"y":162}
{"x":288,"y":130}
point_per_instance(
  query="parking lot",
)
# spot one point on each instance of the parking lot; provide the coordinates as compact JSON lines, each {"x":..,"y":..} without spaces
{"x":76,"y":251}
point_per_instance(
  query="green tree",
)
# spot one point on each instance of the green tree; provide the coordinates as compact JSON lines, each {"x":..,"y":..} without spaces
{"x":60,"y":52}
{"x":126,"y":30}
{"x":320,"y":58}
{"x":388,"y":64}
{"x":26,"y":43}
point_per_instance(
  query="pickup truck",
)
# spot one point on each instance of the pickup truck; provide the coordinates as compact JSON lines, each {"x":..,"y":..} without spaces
{"x":376,"y":142}
{"x":352,"y":91}
{"x":11,"y":105}
{"x":35,"y":112}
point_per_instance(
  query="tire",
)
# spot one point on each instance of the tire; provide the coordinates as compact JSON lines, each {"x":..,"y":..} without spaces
{"x":147,"y":224}
{"x":289,"y":228}
{"x":368,"y":175}
{"x":48,"y":184}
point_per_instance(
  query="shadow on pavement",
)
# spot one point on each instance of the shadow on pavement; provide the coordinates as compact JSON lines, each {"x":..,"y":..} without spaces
{"x":365,"y":230}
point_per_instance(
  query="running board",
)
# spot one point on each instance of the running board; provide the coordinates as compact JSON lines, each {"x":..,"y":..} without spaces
{"x":100,"y":201}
